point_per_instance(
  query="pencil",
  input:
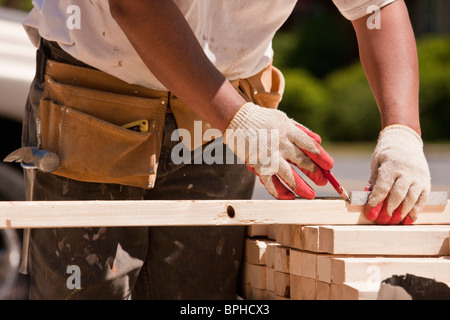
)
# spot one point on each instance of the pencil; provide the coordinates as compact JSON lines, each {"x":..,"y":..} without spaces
{"x":336,"y":185}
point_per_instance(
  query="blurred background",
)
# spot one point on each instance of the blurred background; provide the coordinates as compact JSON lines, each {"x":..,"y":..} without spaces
{"x":327,"y":91}
{"x":317,"y":51}
{"x":326,"y":88}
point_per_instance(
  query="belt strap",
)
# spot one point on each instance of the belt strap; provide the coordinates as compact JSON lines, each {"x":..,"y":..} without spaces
{"x":98,"y":80}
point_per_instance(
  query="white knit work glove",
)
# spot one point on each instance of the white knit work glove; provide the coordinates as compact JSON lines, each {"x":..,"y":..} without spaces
{"x":400,"y":173}
{"x":268,"y":142}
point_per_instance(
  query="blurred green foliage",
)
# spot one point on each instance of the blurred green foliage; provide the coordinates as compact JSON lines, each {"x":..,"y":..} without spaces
{"x":25,"y":5}
{"x":326,"y":88}
{"x":341,"y":107}
{"x":434,"y":59}
{"x":306,"y":99}
{"x":327,"y":91}
{"x":319,"y":42}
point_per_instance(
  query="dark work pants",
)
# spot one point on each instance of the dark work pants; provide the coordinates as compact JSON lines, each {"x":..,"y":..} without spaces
{"x":136,"y":262}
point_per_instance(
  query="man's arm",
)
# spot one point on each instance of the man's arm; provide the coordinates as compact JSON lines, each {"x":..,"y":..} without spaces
{"x":165,"y":42}
{"x":389,"y":58}
{"x":399,"y":170}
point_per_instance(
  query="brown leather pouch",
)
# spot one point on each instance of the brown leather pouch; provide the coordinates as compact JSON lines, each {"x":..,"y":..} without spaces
{"x":82,"y":116}
{"x":265,"y":88}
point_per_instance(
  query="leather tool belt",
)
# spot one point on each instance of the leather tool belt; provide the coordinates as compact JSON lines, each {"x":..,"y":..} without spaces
{"x":105,"y":130}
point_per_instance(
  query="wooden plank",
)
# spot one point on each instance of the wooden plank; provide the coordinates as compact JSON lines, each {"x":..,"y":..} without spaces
{"x":389,"y":292}
{"x":255,"y":251}
{"x":282,"y":284}
{"x":372,"y":271}
{"x":257,"y":294}
{"x":270,"y":279}
{"x":309,"y":265}
{"x":277,"y":297}
{"x":270,"y":253}
{"x":323,"y":290}
{"x":251,"y":293}
{"x":61,"y":214}
{"x":302,"y":288}
{"x":324,"y":268}
{"x":343,"y":268}
{"x":271,"y":231}
{"x":414,"y":288}
{"x":258,"y":230}
{"x":309,"y":289}
{"x":254,"y":275}
{"x":305,"y":237}
{"x":296,"y":262}
{"x":269,"y":295}
{"x":342,"y":292}
{"x":283,"y":234}
{"x":281,"y":259}
{"x":360,"y":291}
{"x":296,"y":287}
{"x":352,"y":291}
{"x":385,"y":240}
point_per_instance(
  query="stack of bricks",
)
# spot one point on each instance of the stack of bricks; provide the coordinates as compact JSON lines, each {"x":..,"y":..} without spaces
{"x":293,"y":262}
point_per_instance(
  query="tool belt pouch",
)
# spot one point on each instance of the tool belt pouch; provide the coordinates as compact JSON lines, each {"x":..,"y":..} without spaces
{"x":264,"y":89}
{"x":81,"y":118}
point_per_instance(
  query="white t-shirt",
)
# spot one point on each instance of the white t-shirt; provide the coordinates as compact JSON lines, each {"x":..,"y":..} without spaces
{"x":236,"y":35}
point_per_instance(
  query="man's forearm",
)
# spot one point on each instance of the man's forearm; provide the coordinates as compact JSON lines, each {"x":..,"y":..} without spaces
{"x":165,"y":42}
{"x":389,"y":58}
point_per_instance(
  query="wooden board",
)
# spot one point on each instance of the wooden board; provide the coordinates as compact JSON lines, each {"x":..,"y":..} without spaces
{"x":345,"y":268}
{"x":49,"y":214}
{"x":375,"y":270}
{"x":254,"y":275}
{"x":296,"y":262}
{"x":352,"y":291}
{"x":324,"y":276}
{"x":385,"y":240}
{"x":418,"y":240}
{"x":282,"y":284}
{"x":258,"y":230}
{"x":281,"y":259}
{"x":283,"y":234}
{"x":302,"y":288}
{"x":323,"y":290}
{"x":255,"y":251}
{"x":270,"y":253}
{"x":305,"y":237}
{"x":270,"y":279}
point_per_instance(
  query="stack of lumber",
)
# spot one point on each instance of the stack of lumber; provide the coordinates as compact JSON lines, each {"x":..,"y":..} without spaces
{"x":339,"y":262}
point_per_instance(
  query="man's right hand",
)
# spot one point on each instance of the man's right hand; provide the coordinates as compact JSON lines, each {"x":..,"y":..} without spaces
{"x":269,"y":142}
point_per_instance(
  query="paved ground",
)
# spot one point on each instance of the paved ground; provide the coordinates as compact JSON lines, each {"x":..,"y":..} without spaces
{"x":352,"y":169}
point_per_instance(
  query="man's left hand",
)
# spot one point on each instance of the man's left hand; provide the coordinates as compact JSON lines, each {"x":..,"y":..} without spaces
{"x":400,"y":178}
